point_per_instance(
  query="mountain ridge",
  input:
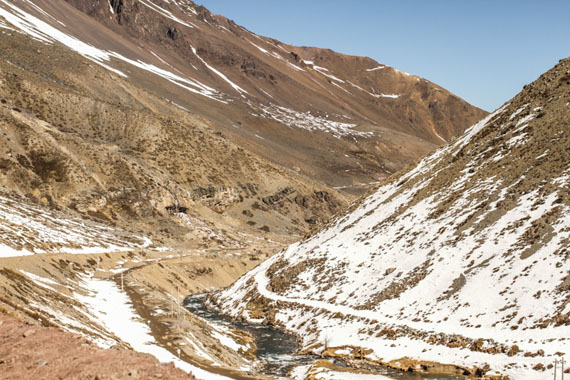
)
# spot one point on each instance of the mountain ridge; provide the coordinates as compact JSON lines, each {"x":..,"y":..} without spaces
{"x":196,"y":57}
{"x":460,"y":259}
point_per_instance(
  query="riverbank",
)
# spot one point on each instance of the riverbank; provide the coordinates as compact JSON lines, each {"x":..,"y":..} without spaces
{"x":138,"y":293}
{"x":281,"y":352}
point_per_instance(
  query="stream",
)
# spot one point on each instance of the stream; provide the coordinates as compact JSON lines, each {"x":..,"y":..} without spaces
{"x":278,"y":349}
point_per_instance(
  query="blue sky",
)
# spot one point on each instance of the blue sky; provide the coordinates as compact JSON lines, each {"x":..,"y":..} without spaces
{"x":483,"y":51}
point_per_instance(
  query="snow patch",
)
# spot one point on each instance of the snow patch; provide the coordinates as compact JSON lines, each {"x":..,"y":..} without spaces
{"x":221,"y":75}
{"x":305,"y":120}
{"x":376,"y":68}
{"x":112,"y":308}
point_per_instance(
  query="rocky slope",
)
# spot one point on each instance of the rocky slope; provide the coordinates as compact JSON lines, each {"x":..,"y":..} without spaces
{"x":32,"y":351}
{"x":462,"y":259}
{"x":85,"y":141}
{"x":345,"y":121}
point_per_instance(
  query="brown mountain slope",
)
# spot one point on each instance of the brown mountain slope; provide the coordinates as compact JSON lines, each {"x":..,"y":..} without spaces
{"x":340,"y":119}
{"x":81,"y":139}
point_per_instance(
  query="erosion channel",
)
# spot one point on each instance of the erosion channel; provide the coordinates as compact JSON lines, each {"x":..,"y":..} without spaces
{"x":278,"y":349}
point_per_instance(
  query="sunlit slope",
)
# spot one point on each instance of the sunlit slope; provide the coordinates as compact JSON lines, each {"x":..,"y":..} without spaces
{"x":461,"y":259}
{"x":343,"y":120}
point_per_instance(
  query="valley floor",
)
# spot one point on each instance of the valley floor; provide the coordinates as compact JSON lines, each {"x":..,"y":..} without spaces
{"x":126,"y":301}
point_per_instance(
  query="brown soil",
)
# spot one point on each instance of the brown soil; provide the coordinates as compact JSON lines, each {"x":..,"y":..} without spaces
{"x":30,"y":351}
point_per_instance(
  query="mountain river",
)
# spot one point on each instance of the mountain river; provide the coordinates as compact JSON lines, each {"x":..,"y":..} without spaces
{"x":278,"y":349}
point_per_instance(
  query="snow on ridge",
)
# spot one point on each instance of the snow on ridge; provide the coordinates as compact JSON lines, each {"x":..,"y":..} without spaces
{"x":46,"y":33}
{"x":376,"y":68}
{"x":381,"y":95}
{"x":476,"y":128}
{"x":324,"y":71}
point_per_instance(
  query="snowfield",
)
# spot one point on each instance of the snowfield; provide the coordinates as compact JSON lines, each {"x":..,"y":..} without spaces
{"x":461,"y":260}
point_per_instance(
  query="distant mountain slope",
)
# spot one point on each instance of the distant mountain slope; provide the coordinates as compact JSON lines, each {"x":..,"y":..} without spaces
{"x":345,"y":121}
{"x":82,"y":140}
{"x":461,"y":259}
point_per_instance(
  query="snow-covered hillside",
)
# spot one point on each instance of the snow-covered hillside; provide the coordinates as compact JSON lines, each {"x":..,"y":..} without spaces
{"x":462,"y":259}
{"x":27,"y":229}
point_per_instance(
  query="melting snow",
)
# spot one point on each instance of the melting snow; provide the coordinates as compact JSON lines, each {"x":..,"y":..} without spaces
{"x":294,"y":119}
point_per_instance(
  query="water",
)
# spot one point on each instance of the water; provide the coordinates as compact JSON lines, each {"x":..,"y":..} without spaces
{"x":274,"y":347}
{"x":278,"y":349}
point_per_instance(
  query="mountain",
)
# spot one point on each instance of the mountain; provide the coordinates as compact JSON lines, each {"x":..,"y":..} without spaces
{"x":341,"y":120}
{"x":151,"y":149}
{"x":459,"y":263}
{"x":81,"y":140}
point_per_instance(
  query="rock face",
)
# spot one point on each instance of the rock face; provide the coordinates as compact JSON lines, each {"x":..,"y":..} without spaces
{"x":342,"y":120}
{"x":462,"y":258}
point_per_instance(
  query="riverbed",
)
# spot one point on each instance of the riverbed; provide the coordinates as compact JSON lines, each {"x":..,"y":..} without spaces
{"x":278,"y":349}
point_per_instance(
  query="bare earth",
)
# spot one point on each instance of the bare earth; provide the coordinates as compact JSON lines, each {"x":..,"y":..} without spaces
{"x":30,"y":351}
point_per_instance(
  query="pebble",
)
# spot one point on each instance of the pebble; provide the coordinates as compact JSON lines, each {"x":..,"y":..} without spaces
{"x":27,"y":333}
